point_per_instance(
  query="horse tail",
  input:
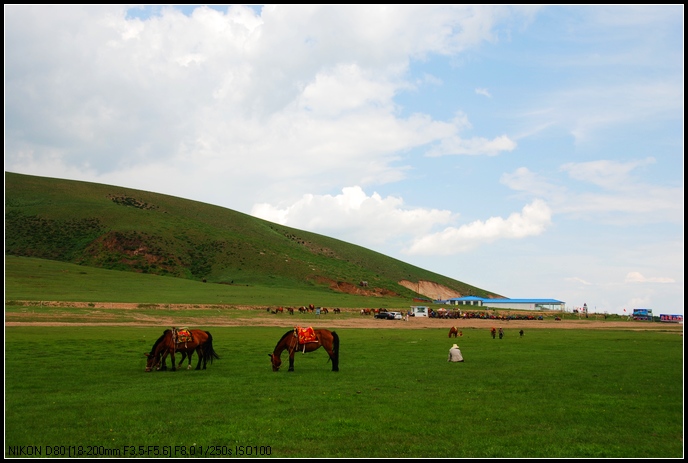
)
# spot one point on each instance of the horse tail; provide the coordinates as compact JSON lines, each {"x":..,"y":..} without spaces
{"x":335,"y":351}
{"x":208,"y":352}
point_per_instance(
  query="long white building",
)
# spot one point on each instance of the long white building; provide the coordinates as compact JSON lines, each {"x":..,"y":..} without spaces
{"x":516,"y":304}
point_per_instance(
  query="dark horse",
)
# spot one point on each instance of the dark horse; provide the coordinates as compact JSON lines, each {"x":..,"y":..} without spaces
{"x":453,"y":331}
{"x":168,"y":344}
{"x":329,"y":340}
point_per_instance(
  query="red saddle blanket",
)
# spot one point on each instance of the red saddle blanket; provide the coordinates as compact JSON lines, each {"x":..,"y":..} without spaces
{"x":306,"y":335}
{"x":183,"y":335}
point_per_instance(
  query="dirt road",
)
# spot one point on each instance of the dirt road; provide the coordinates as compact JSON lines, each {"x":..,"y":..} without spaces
{"x":110,"y":314}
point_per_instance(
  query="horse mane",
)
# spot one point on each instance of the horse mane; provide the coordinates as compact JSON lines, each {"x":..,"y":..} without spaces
{"x":284,"y":336}
{"x":160,"y":339}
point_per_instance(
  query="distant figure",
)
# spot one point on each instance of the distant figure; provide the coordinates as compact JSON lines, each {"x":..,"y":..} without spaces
{"x":501,"y":333}
{"x":455,"y":354}
{"x":453,"y":331}
{"x":460,"y":333}
{"x":521,"y":333}
{"x":493,"y":332}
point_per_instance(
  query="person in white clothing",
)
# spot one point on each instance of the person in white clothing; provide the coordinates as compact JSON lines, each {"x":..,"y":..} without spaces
{"x":455,"y":354}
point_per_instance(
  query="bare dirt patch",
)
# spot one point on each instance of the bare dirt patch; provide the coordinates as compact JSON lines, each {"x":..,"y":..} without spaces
{"x":430,"y":289}
{"x":103,"y":314}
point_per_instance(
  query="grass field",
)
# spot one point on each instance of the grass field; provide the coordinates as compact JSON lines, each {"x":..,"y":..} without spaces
{"x":551,"y":394}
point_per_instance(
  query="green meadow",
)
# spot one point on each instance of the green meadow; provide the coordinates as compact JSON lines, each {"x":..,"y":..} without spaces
{"x":81,"y":391}
{"x":78,"y":391}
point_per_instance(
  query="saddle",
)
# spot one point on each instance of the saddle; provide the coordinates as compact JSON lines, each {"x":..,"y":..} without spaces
{"x":305,"y":335}
{"x":181,"y":335}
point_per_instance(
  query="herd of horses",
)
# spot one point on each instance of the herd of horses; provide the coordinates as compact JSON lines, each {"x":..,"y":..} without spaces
{"x":190,"y":341}
{"x":303,"y":309}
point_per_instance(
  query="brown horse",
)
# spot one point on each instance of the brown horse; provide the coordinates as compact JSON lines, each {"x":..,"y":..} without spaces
{"x":172,"y":340}
{"x":453,"y":331}
{"x":329,"y":340}
{"x":157,"y":357}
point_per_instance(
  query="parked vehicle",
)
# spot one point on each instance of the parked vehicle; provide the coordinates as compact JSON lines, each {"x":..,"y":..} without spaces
{"x":389,"y":316}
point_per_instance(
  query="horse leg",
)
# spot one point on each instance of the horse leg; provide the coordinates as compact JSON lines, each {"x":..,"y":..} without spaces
{"x":162,"y":362}
{"x":174,"y":365}
{"x":330,"y":352}
{"x":291,"y":360}
{"x":199,"y":352}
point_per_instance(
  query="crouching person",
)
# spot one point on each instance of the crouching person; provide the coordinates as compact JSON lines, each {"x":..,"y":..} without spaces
{"x":455,"y":354}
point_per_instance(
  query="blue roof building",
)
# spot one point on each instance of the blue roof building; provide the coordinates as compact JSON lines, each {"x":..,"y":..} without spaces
{"x":504,"y":303}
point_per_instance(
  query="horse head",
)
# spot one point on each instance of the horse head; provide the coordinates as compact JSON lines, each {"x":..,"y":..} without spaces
{"x":152,"y":361}
{"x":276,"y":362}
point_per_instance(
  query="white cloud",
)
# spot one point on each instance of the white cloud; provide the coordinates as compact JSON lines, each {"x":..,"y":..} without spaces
{"x":616,"y":196}
{"x":472,"y":146}
{"x":483,"y":91}
{"x":532,"y":221}
{"x":637,"y":277}
{"x":357,"y":217}
{"x":579,"y":280}
{"x":611,"y":175}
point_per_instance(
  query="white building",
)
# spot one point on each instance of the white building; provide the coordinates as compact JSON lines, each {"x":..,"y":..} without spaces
{"x":516,"y":304}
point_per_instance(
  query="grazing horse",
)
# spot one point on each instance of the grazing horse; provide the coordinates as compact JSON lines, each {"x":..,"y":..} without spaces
{"x":173,"y":340}
{"x":292,"y":342}
{"x":453,"y":331}
{"x":290,"y":310}
{"x":337,"y":310}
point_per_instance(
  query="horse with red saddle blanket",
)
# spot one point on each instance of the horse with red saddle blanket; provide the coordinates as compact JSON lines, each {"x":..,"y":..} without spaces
{"x":185,"y":341}
{"x":306,"y":340}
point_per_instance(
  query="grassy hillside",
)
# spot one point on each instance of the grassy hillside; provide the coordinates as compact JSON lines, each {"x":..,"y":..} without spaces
{"x":115,"y":228}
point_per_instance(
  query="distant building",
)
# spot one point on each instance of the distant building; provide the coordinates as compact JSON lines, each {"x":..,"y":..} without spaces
{"x":504,"y":303}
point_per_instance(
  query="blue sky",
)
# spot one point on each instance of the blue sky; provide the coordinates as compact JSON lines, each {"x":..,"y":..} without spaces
{"x":536,"y":152}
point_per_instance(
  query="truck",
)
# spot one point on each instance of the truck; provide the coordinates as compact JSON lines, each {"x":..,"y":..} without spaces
{"x":642,"y":314}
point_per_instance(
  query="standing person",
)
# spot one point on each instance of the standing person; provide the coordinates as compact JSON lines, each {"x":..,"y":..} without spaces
{"x":455,"y":354}
{"x":501,"y":333}
{"x":521,"y":333}
{"x":493,"y":332}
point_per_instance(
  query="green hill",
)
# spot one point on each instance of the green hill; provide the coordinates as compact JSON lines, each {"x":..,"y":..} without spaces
{"x":116,"y":228}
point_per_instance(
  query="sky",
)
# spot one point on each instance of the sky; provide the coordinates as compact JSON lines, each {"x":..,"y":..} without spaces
{"x":531,"y":151}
